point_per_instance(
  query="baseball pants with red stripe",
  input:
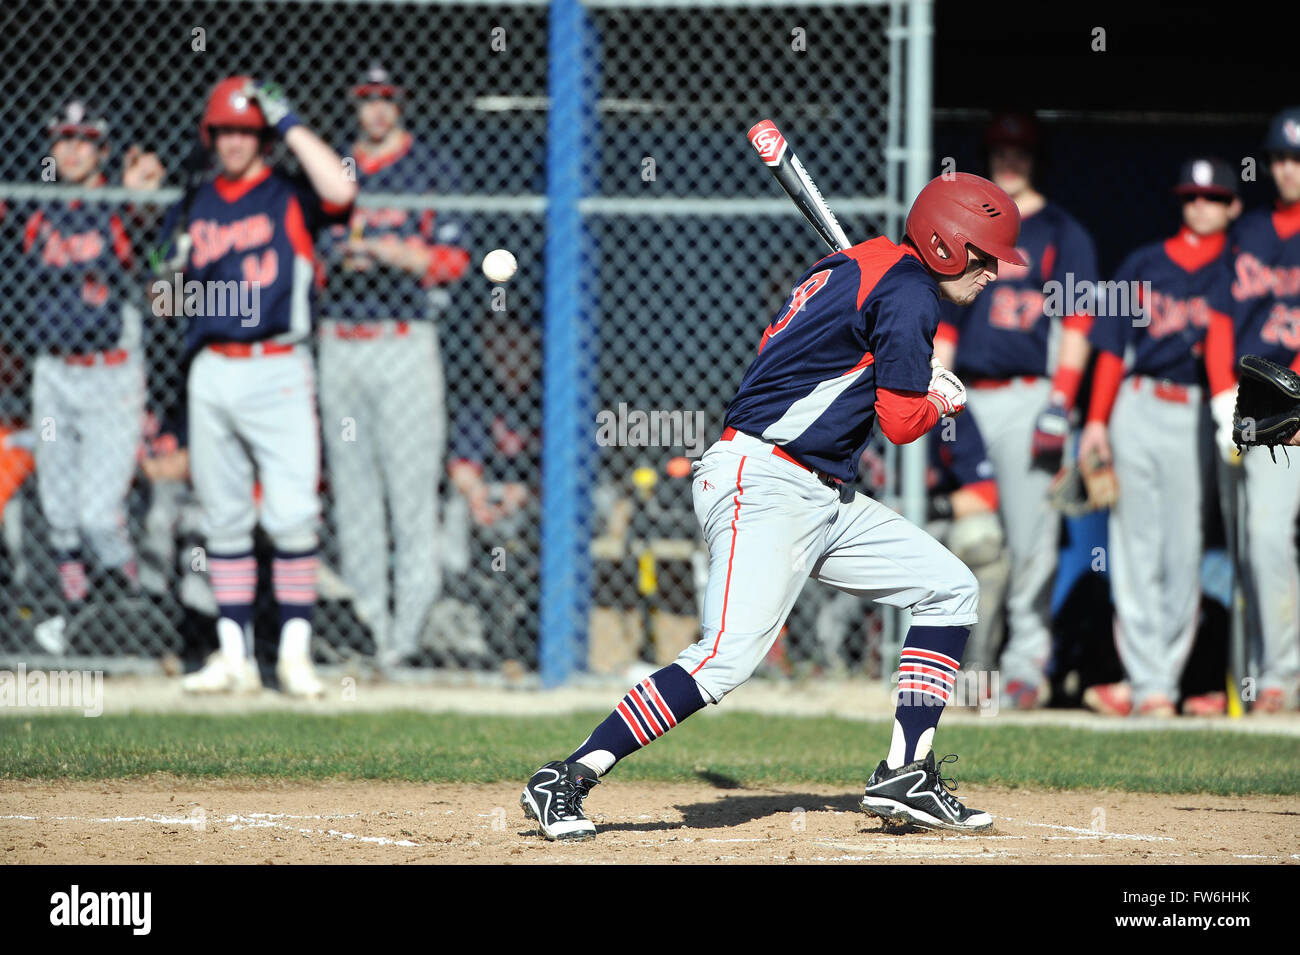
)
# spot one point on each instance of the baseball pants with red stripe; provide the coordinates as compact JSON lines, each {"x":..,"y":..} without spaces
{"x":770,"y":525}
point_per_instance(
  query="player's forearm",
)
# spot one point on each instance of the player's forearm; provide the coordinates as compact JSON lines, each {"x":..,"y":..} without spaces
{"x":1105,"y":386}
{"x":322,"y":165}
{"x":904,"y":415}
{"x":466,"y":477}
{"x":978,"y":498}
{"x":1070,"y":362}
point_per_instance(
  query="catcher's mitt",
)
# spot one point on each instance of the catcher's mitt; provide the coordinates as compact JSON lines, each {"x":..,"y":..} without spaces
{"x":1083,"y":487}
{"x":1268,"y":403}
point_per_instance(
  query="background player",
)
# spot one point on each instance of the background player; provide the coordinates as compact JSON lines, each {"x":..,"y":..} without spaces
{"x":852,"y":346}
{"x":84,"y":324}
{"x":1151,"y":411}
{"x":252,"y":401}
{"x":382,"y":389}
{"x":1023,"y":367}
{"x":1265,"y":321}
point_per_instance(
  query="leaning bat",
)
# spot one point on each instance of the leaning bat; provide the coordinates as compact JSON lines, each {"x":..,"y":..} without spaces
{"x":775,"y":151}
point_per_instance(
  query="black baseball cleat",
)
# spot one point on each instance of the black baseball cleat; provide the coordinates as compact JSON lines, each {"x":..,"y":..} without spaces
{"x":554,"y":797}
{"x":915,"y":793}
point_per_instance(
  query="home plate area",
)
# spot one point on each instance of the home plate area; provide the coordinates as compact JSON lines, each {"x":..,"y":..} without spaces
{"x":157,"y":820}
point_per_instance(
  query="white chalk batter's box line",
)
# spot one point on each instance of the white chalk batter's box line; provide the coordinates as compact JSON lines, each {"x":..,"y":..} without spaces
{"x":237,"y":822}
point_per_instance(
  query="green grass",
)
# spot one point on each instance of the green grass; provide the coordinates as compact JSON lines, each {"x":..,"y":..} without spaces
{"x":724,"y":748}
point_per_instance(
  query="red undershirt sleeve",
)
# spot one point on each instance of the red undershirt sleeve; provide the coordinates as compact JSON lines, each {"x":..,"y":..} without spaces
{"x":904,"y":415}
{"x":1106,"y":380}
{"x":1219,"y":349}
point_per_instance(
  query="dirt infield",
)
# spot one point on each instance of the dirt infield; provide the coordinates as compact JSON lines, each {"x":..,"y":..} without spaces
{"x":160,"y":821}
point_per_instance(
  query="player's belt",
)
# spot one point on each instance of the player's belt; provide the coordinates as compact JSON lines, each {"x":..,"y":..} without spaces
{"x":114,"y":356}
{"x":250,"y":349}
{"x":1001,"y":382}
{"x":729,"y":433}
{"x":368,"y":330}
{"x":1164,"y":389}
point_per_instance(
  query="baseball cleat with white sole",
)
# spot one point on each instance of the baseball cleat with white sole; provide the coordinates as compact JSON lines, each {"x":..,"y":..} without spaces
{"x":554,"y":797}
{"x":916,"y":794}
{"x":220,"y":675}
{"x":298,"y":677}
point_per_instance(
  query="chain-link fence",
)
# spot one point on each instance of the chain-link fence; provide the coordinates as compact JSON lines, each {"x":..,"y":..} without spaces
{"x":503,"y":483}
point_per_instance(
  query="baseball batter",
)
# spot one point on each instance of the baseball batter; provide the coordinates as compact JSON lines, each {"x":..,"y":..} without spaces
{"x":1148,"y":408}
{"x":852,"y":346}
{"x":382,"y":393}
{"x":1265,"y":320}
{"x":252,"y":400}
{"x":88,"y":380}
{"x":1023,"y":366}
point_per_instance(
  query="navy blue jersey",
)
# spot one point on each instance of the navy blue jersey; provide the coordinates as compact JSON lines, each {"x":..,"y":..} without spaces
{"x":380,"y":292}
{"x":260,"y":232}
{"x":1189,"y":278}
{"x":79,"y":272}
{"x":960,"y":462}
{"x":857,"y":320}
{"x":1266,"y":284}
{"x":1006,"y":332}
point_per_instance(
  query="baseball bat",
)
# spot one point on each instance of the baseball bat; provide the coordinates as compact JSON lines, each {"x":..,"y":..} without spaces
{"x":774,"y":149}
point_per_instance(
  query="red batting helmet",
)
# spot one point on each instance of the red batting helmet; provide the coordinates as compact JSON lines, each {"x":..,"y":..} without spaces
{"x":230,"y":106}
{"x":958,"y":209}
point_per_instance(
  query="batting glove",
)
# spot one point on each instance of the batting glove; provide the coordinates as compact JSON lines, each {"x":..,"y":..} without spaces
{"x":947,"y":393}
{"x":1050,"y":432}
{"x":275,"y":106}
{"x":1222,"y":406}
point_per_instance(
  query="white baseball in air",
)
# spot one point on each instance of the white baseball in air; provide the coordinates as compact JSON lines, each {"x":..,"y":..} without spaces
{"x":499,"y":265}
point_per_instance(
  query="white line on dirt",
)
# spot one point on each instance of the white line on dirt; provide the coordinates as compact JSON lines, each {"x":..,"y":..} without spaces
{"x":237,"y":822}
{"x":1092,"y":833}
{"x":267,"y":824}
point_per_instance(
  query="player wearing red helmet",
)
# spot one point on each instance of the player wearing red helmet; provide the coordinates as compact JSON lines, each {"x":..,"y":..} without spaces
{"x":252,"y":393}
{"x":851,"y":346}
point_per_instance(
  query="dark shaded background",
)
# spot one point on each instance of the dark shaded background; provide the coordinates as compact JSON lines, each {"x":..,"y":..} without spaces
{"x":1203,"y":78}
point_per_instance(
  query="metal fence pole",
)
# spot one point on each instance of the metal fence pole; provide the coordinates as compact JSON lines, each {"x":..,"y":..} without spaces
{"x":567,"y":351}
{"x":916,"y":173}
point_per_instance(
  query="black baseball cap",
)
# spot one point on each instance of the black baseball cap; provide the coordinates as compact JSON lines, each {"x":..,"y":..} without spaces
{"x":1206,"y":176}
{"x":377,"y":83}
{"x":1284,"y":132}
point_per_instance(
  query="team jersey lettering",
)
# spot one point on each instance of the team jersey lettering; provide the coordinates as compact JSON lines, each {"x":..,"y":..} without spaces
{"x":1254,"y":278}
{"x":376,"y":218}
{"x":94,"y":291}
{"x":1016,"y":310}
{"x":1282,"y":327}
{"x":60,"y":250}
{"x":261,"y":270}
{"x":212,"y":239}
{"x":1170,"y":315}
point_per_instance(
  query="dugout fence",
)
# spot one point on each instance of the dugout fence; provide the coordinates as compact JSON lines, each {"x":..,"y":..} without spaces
{"x":604,"y":144}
